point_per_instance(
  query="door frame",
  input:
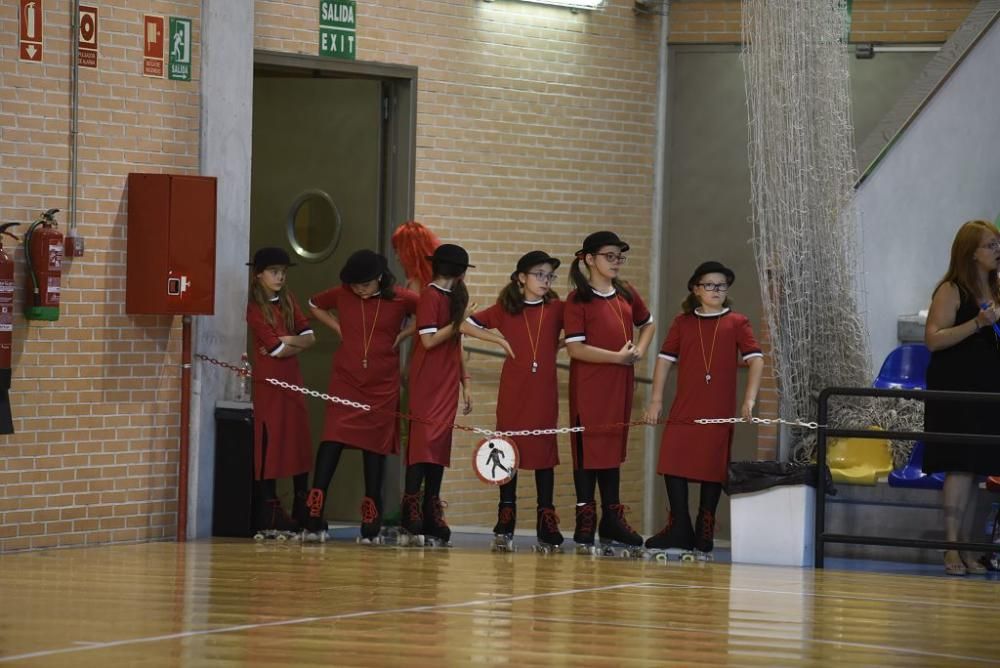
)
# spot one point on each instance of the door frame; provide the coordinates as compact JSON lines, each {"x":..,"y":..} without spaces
{"x":399,"y":86}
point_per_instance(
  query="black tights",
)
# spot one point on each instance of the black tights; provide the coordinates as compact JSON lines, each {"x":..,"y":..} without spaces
{"x":609,"y":481}
{"x":545,"y":482}
{"x":426,"y":474}
{"x":268,"y":489}
{"x":327,"y":458}
{"x":677,"y":495}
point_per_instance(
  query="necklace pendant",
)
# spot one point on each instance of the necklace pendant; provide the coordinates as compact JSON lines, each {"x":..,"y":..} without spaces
{"x":364,"y":363}
{"x":534,"y":367}
{"x":708,"y":378}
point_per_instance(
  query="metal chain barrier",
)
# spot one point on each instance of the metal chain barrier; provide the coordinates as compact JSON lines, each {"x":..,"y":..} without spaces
{"x":492,"y":433}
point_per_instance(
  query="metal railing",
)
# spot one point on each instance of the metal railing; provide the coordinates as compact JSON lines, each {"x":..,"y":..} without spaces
{"x":825,"y":432}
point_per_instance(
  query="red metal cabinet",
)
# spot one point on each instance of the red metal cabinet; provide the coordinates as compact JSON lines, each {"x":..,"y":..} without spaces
{"x":171,"y":245}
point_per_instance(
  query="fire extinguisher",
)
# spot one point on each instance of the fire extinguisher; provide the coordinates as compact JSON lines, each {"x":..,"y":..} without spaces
{"x":43,"y":256}
{"x":6,"y":329}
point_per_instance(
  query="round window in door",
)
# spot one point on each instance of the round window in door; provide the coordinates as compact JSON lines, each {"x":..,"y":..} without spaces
{"x":314,"y":225}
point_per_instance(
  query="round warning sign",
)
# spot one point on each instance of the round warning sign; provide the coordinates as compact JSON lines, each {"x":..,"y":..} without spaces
{"x":495,"y":460}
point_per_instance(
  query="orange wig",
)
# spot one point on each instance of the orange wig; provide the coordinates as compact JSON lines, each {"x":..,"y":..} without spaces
{"x":413,"y":242}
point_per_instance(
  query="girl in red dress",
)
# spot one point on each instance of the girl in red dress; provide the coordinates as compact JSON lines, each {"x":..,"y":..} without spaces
{"x":705,"y":341}
{"x":279,"y":332}
{"x":371,"y":314}
{"x":435,"y":378}
{"x":600,"y":318}
{"x":529,"y":314}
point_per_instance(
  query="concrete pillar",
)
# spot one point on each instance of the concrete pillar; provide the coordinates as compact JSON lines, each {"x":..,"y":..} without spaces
{"x":226,"y":121}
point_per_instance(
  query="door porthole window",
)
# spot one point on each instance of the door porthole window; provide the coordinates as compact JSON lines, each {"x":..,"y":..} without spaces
{"x":313,"y":226}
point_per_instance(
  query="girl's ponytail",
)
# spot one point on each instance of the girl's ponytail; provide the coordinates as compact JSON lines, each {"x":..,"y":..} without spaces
{"x":576,"y":276}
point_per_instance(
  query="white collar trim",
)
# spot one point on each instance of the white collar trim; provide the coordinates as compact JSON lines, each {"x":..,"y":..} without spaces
{"x":603,"y":294}
{"x":435,"y":285}
{"x":711,"y":315}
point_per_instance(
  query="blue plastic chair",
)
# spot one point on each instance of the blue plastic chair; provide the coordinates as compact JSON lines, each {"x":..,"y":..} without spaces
{"x":905,"y":368}
{"x":912,"y":475}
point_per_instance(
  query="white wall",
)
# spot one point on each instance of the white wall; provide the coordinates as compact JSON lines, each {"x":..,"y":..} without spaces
{"x":942,"y":171}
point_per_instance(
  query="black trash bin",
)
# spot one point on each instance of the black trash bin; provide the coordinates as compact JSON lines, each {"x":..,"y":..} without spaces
{"x":232,"y":496}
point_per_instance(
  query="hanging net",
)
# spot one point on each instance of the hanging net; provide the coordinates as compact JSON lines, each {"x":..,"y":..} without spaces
{"x":802,"y":170}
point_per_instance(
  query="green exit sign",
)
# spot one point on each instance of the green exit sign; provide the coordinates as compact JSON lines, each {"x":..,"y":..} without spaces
{"x":338,"y":28}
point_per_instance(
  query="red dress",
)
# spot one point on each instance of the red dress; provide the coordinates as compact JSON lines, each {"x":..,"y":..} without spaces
{"x":282,"y":446}
{"x":701,"y":451}
{"x":601,"y":394}
{"x":435,"y":376}
{"x":378,"y":322}
{"x":528,"y":400}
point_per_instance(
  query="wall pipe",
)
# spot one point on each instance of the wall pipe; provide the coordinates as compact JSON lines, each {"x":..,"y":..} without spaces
{"x":74,"y":113}
{"x":185,"y":435}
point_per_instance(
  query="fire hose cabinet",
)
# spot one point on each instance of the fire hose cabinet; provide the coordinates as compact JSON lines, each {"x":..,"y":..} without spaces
{"x":170,"y":266}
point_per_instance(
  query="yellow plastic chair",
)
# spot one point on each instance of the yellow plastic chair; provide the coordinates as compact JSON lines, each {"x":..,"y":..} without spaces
{"x":859,"y":461}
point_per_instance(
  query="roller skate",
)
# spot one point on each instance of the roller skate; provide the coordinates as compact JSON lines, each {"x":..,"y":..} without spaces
{"x":704,"y":535}
{"x":273,"y":523}
{"x":371,"y":523}
{"x":503,"y":532}
{"x":411,"y":523}
{"x":615,"y":532}
{"x":674,"y":541}
{"x":547,"y":531}
{"x":314,"y":527}
{"x":583,"y":535}
{"x":436,"y":530}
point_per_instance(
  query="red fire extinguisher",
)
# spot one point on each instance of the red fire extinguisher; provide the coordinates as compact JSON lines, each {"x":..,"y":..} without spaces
{"x":43,"y":255}
{"x":6,"y":330}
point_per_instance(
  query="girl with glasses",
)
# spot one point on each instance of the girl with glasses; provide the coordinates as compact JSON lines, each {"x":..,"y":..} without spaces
{"x":368,"y":312}
{"x":279,"y":331}
{"x":529,"y":315}
{"x":964,"y":356}
{"x":705,"y":342}
{"x":601,"y":317}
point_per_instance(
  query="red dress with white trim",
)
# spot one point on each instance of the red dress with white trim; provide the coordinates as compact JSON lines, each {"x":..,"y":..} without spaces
{"x":600,"y":395}
{"x":702,"y":451}
{"x":435,"y":376}
{"x":529,"y":390}
{"x":282,"y":446}
{"x":365,"y":368}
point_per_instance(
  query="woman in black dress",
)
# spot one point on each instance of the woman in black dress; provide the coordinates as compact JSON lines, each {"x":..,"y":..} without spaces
{"x":965,"y":355}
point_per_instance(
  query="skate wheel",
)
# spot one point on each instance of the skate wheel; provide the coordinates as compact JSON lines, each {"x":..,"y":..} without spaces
{"x":662,"y":557}
{"x":687,"y":557}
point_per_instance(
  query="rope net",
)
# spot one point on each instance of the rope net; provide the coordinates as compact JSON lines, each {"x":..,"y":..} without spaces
{"x":802,"y":170}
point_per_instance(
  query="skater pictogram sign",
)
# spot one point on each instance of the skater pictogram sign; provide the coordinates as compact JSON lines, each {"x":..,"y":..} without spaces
{"x":495,"y":460}
{"x":30,"y":22}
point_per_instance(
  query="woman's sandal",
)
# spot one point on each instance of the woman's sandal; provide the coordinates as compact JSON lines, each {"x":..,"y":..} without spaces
{"x":973,"y":565}
{"x":955,"y":567}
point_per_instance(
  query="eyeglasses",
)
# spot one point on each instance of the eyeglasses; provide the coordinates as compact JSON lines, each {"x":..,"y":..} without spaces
{"x":714,"y":287}
{"x":543,"y":277}
{"x":993,"y":246}
{"x":613,"y":258}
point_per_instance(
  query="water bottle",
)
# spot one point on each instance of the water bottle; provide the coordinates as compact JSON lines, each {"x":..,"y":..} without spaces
{"x":238,"y":387}
{"x":243,"y":380}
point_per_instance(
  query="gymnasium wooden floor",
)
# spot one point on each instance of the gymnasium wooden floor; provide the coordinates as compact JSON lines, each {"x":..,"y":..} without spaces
{"x":229,"y":602}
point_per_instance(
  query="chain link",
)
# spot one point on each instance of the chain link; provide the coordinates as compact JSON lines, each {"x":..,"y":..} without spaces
{"x":492,"y":433}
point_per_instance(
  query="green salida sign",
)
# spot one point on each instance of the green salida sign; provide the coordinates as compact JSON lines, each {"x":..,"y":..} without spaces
{"x":337,"y":28}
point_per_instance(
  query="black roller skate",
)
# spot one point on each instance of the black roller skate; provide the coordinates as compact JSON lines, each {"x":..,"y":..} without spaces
{"x":503,"y":532}
{"x":371,"y":523}
{"x":615,"y":530}
{"x":547,"y":532}
{"x":273,"y":523}
{"x":411,"y":523}
{"x":314,"y":527}
{"x":436,"y":530}
{"x":704,"y":534}
{"x":675,"y":540}
{"x":586,"y":519}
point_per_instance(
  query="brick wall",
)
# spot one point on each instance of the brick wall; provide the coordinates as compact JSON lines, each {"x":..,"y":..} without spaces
{"x":95,"y":395}
{"x":895,"y":21}
{"x":535,"y":127}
